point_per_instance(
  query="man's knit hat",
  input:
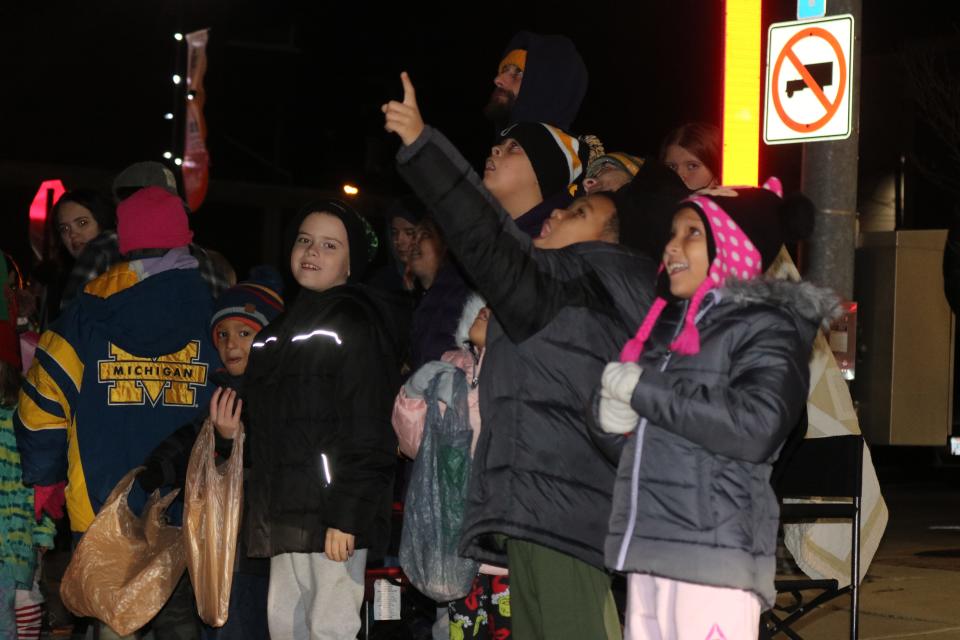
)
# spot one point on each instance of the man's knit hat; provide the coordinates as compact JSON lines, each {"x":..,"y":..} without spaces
{"x":256,"y":301}
{"x":152,"y":218}
{"x":558,"y":158}
{"x":619,"y":160}
{"x":745,"y":228}
{"x":516,"y":57}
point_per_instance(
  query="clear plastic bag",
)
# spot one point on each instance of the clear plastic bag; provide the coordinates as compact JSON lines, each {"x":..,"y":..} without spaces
{"x":125,"y":568}
{"x":213,"y":500}
{"x":436,"y":499}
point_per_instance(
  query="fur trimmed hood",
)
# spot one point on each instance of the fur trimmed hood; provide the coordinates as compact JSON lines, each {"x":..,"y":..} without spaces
{"x":471,"y":308}
{"x":817,"y":305}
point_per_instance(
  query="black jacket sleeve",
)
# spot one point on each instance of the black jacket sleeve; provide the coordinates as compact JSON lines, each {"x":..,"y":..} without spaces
{"x":524,"y":286}
{"x":166,"y":466}
{"x":610,"y":444}
{"x":747,"y":418}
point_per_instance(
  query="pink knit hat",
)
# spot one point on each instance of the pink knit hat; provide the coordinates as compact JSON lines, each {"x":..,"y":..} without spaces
{"x":737,"y":255}
{"x":152,"y":218}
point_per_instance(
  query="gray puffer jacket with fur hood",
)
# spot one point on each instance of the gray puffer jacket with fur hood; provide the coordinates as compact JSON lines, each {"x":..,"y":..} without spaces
{"x":693,"y":500}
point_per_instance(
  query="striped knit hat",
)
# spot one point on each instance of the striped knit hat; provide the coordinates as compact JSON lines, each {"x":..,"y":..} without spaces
{"x":746,"y":227}
{"x":558,"y":158}
{"x":255,"y":302}
{"x":617,"y":159}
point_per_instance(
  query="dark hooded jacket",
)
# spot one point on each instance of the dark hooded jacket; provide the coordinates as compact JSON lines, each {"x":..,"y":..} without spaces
{"x":319,"y":390}
{"x":693,"y":500}
{"x":554,"y":80}
{"x":559,"y":317}
{"x":123,"y":368}
{"x":436,"y":316}
{"x":389,"y":277}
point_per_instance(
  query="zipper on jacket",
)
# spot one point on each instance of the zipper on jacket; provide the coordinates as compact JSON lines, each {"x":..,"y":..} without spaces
{"x":475,"y":379}
{"x":638,"y":451}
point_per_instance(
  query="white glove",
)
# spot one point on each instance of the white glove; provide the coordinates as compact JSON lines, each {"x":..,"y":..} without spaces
{"x":616,"y":416}
{"x":620,"y":379}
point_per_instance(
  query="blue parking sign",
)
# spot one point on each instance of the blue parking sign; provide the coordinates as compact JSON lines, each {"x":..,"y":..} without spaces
{"x":811,"y":9}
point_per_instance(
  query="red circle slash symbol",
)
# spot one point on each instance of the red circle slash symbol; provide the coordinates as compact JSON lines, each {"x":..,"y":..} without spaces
{"x":788,"y":54}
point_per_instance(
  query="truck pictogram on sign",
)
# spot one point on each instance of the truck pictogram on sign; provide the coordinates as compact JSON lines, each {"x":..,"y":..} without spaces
{"x":809,"y":81}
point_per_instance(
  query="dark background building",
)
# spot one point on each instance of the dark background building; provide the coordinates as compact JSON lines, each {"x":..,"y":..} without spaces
{"x":294,"y":89}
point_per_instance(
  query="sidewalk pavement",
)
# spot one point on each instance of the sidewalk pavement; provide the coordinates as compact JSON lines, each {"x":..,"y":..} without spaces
{"x":913,"y":587}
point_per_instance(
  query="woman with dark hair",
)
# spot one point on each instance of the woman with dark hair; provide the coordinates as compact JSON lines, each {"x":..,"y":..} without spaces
{"x":436,"y":316}
{"x":693,"y":152}
{"x":78,"y":217}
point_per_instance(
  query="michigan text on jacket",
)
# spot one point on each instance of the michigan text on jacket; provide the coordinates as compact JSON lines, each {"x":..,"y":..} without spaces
{"x":174,"y":375}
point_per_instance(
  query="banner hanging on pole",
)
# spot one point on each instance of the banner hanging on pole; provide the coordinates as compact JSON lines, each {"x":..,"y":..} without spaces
{"x":196,"y":158}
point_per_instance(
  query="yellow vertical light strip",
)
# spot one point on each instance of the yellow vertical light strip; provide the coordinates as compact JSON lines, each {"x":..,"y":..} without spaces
{"x":741,"y":92}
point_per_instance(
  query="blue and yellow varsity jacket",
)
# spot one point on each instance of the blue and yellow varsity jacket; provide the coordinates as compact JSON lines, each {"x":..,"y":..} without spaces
{"x":123,"y":367}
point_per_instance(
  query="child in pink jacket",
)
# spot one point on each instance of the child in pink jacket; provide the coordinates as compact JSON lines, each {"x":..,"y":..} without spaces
{"x":485,"y":611}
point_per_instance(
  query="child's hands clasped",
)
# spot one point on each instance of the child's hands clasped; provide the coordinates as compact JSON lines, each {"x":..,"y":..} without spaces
{"x":225,"y":408}
{"x":403,"y":118}
{"x":617,"y":385}
{"x":620,"y":379}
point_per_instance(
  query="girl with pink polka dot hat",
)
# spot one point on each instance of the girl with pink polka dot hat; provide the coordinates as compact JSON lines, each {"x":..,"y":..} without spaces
{"x":702,"y":400}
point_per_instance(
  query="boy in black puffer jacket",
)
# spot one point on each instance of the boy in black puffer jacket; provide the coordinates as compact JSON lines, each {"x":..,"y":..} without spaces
{"x":319,"y":393}
{"x":562,"y":304}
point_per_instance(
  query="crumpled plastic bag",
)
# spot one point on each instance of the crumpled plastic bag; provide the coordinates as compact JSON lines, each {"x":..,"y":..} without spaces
{"x":125,"y":568}
{"x":213,"y":500}
{"x":436,"y":500}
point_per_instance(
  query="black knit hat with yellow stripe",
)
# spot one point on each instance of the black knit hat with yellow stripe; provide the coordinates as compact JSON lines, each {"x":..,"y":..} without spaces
{"x":558,"y":158}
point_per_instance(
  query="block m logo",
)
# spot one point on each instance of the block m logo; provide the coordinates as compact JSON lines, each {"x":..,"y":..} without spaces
{"x":174,"y":376}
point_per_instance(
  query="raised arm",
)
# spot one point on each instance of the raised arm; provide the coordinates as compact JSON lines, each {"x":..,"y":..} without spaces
{"x":524,"y":286}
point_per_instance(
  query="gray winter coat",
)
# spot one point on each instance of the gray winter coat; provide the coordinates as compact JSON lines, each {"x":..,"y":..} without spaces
{"x":693,"y":500}
{"x":559,"y":317}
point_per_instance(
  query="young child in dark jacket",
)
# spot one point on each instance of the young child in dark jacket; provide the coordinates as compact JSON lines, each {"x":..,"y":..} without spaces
{"x":319,"y":391}
{"x":563,"y":304}
{"x":710,"y":387}
{"x":238,"y":315}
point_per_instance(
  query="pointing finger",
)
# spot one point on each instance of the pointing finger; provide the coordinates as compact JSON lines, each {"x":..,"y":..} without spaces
{"x":409,"y":93}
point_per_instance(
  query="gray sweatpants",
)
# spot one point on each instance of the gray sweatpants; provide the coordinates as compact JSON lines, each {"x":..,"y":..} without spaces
{"x":313,"y":598}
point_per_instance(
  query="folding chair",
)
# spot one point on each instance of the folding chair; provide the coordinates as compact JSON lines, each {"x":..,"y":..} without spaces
{"x":830,"y":467}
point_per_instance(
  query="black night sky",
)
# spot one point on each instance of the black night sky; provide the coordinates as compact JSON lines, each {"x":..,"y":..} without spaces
{"x":293,"y":90}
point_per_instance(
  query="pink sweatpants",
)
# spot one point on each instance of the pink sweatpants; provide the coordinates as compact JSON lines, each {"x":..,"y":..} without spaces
{"x":664,"y":609}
